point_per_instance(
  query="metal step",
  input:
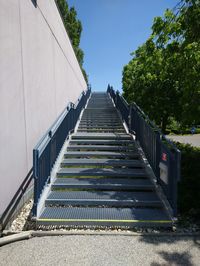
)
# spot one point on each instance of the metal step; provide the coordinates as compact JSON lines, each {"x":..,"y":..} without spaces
{"x":103,"y":154}
{"x":103,"y":184}
{"x":108,"y":126}
{"x":108,"y":112}
{"x":130,"y":217}
{"x":101,"y":107}
{"x":100,"y":148}
{"x":102,"y":142}
{"x":91,"y":122}
{"x":102,"y":162}
{"x":101,"y":130}
{"x":103,"y":122}
{"x":105,"y":136}
{"x":97,"y":110}
{"x":112,"y":172}
{"x":101,"y":115}
{"x":103,"y":198}
{"x":100,"y":120}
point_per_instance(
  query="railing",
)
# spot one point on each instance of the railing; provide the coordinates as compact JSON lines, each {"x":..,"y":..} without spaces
{"x":48,"y":148}
{"x":11,"y":208}
{"x":162,"y":154}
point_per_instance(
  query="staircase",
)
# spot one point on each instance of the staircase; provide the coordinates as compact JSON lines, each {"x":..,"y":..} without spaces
{"x":102,"y":179}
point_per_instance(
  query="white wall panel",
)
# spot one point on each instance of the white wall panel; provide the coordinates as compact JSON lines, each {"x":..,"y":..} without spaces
{"x":56,"y":25}
{"x":39,"y":78}
{"x":39,"y":75}
{"x":13,"y":160}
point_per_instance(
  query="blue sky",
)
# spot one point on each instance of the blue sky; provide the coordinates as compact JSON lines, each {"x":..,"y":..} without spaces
{"x":112,"y":29}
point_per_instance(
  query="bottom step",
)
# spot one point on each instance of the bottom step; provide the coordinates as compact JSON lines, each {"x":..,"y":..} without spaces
{"x":113,"y":217}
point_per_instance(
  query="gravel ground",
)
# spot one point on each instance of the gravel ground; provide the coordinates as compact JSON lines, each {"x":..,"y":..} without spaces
{"x":23,"y":220}
{"x":194,"y":140}
{"x":102,"y":250}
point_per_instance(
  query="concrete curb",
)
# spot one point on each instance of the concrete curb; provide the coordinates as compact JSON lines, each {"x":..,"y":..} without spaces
{"x":10,"y":237}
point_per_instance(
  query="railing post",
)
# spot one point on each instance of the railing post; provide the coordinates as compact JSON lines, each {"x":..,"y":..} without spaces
{"x":117,"y":99}
{"x":158,"y":154}
{"x":35,"y":177}
{"x":137,"y":127}
{"x":73,"y":115}
{"x":129,"y":118}
{"x":176,"y":177}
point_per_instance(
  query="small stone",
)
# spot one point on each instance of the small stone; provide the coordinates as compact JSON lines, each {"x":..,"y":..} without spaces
{"x":174,"y":228}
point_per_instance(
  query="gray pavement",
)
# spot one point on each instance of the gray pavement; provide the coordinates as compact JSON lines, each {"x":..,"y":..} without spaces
{"x":102,"y":250}
{"x":194,"y":140}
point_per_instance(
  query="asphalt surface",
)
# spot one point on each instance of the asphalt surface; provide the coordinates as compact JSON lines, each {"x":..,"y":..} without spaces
{"x":102,"y":250}
{"x":194,"y":140}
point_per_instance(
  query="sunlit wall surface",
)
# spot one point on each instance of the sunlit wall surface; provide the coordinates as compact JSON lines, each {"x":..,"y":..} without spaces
{"x":39,"y":75}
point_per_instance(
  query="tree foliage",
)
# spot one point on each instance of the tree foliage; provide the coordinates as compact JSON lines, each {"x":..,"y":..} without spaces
{"x":163,"y":76}
{"x":74,"y":29}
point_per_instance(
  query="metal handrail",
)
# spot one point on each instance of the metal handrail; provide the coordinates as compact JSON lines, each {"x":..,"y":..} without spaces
{"x":161,"y":152}
{"x":47,"y":149}
{"x":10,"y":210}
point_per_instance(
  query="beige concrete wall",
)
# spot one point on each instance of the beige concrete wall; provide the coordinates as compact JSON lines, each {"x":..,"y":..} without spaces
{"x":39,"y":75}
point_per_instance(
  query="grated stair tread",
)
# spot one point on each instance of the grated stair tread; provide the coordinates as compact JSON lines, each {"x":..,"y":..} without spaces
{"x":103,"y":183}
{"x":102,"y":162}
{"x":104,"y":216}
{"x":114,"y":172}
{"x":107,"y":198}
{"x":101,"y":147}
{"x":113,"y":136}
{"x":102,"y":154}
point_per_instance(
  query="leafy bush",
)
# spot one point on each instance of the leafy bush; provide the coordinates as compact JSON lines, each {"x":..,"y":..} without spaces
{"x":189,"y":187}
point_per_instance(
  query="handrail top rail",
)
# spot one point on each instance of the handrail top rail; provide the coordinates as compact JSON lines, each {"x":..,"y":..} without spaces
{"x":42,"y":143}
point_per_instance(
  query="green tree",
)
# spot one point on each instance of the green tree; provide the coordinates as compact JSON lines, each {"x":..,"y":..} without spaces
{"x":74,"y":29}
{"x":163,"y":76}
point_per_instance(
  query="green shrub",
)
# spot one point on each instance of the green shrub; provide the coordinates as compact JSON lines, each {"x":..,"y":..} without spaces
{"x":189,"y":186}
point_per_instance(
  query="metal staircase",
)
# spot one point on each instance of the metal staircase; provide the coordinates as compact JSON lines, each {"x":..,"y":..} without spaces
{"x":102,"y":179}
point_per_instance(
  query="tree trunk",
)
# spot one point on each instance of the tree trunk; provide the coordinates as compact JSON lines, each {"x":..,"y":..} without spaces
{"x":164,"y":124}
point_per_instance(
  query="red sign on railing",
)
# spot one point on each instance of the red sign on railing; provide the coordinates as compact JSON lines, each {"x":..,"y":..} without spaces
{"x":164,"y":157}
